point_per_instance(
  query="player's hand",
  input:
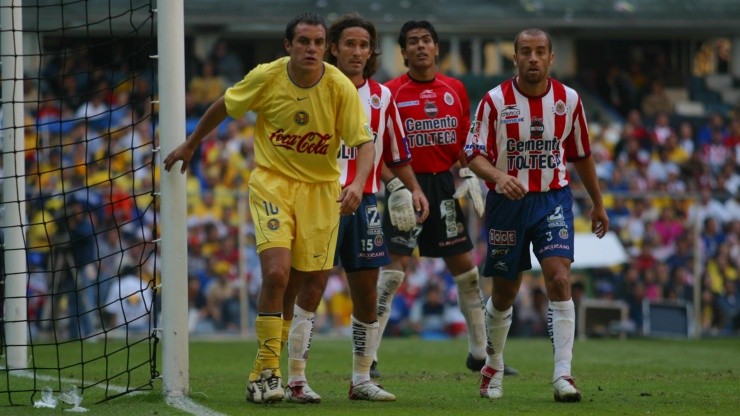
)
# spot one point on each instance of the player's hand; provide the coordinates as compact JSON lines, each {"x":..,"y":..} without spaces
{"x":511,"y":187}
{"x":182,"y":152}
{"x":471,"y":186}
{"x":421,"y":205}
{"x":401,"y":205}
{"x":599,"y":221}
{"x":350,"y":198}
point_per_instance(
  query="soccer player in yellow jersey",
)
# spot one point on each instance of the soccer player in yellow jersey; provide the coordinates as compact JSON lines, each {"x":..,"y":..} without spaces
{"x":304,"y":109}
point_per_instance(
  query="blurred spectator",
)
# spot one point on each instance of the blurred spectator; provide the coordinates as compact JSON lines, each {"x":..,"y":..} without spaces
{"x":618,"y":90}
{"x":661,"y":130}
{"x":428,"y":313}
{"x":716,"y":124}
{"x":206,"y":87}
{"x":197,"y":312}
{"x":732,"y":207}
{"x":656,"y":101}
{"x":130,"y":301}
{"x":728,"y":308}
{"x":707,"y":207}
{"x":720,"y":269}
{"x":228,"y":64}
{"x":668,"y":227}
{"x":222,"y":300}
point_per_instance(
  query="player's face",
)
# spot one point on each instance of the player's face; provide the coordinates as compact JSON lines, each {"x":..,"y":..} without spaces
{"x":352,"y":51}
{"x":533,"y":58}
{"x":307,"y":47}
{"x":420,"y":51}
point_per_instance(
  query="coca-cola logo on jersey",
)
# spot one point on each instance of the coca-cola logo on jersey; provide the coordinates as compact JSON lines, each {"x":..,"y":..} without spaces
{"x":310,"y":143}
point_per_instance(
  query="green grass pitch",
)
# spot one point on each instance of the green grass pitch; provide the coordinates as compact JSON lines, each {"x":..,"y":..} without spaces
{"x":632,"y":377}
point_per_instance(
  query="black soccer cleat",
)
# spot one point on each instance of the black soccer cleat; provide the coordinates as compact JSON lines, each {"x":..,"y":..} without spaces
{"x":374,"y":373}
{"x":476,"y":365}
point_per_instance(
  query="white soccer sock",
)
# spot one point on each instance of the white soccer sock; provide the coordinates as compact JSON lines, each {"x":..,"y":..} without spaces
{"x":561,"y":325}
{"x":388,"y":283}
{"x":299,"y":343}
{"x":470,"y":298}
{"x":365,"y":339}
{"x":498,"y":324}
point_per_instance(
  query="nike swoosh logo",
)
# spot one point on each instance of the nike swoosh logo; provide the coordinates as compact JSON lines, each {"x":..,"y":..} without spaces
{"x":301,"y":98}
{"x":317,"y":255}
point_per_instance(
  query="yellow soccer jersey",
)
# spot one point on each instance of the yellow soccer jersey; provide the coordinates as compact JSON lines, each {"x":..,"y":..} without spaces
{"x":298,"y":130}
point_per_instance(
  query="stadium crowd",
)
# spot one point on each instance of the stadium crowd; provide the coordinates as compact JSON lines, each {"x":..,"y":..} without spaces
{"x":661,"y":175}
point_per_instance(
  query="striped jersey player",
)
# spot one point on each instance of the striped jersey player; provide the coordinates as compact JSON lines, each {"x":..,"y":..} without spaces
{"x":523,"y":132}
{"x":391,"y":146}
{"x":530,"y":137}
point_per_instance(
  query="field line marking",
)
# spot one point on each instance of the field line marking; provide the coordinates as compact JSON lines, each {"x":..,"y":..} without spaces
{"x":182,"y":403}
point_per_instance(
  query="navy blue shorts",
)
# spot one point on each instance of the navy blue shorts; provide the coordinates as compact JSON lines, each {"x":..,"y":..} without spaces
{"x":543,"y":219}
{"x":445,"y":231}
{"x":360,"y":244}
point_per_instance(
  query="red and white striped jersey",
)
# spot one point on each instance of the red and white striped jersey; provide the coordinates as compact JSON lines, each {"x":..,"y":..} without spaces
{"x":436,"y":117}
{"x":530,"y":137}
{"x":385,"y":122}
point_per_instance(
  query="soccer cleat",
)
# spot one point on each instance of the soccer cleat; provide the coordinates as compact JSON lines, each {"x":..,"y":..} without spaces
{"x":300,"y":392}
{"x":370,"y":391}
{"x":374,"y":373}
{"x":272,"y":390}
{"x":510,"y":371}
{"x":254,"y":391}
{"x":476,"y":365}
{"x":565,"y":390}
{"x":491,"y":383}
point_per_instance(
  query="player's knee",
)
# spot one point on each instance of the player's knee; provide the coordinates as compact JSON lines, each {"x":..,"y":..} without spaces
{"x":467,"y":281}
{"x":559,"y":287}
{"x":390,"y":280}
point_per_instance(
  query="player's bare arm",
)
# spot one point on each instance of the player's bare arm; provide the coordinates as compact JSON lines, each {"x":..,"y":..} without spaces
{"x":507,"y":184}
{"x":351,"y":195}
{"x":587,"y":173}
{"x":215,"y":114}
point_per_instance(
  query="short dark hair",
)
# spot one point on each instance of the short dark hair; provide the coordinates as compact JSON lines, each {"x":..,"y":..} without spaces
{"x":532,"y":32}
{"x":348,"y":21}
{"x":312,"y":19}
{"x":415,"y":24}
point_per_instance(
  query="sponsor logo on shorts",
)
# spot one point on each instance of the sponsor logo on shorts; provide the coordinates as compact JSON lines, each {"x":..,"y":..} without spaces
{"x":500,"y":265}
{"x":273,"y":224}
{"x":502,"y":237}
{"x":551,"y":247}
{"x":499,"y":252}
{"x":556,"y":219}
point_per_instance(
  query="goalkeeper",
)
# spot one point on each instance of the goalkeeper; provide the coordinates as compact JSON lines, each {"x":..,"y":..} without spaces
{"x":436,"y":114}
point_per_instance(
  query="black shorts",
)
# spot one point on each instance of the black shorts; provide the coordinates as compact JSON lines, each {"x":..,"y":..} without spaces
{"x":444,"y":233}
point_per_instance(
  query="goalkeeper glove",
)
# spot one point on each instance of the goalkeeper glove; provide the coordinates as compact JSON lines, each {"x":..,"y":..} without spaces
{"x":400,"y":205}
{"x":471,"y":186}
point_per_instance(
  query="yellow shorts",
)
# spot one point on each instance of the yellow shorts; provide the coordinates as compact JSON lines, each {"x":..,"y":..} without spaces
{"x":300,"y":216}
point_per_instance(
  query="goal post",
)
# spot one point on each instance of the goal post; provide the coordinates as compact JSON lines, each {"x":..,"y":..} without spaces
{"x":171,"y":50}
{"x":14,"y":186}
